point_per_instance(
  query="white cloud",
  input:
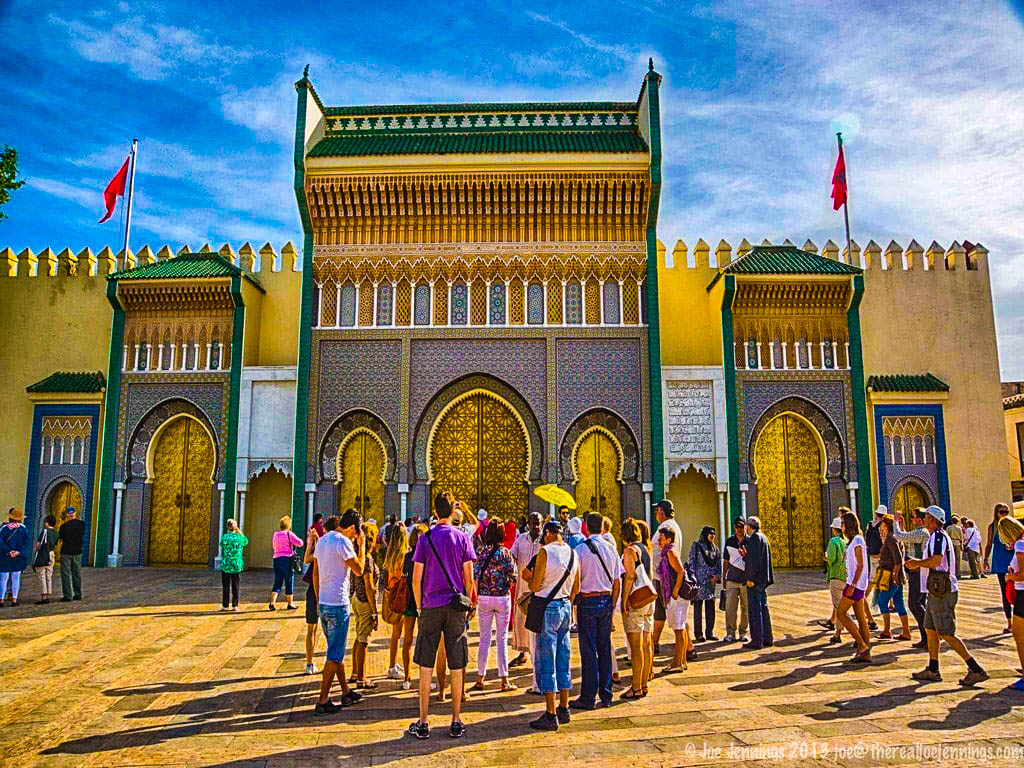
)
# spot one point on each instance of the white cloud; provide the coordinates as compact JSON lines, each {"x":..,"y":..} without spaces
{"x":88,"y":198}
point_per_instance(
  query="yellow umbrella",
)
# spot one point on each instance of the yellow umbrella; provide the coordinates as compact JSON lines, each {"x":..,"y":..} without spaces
{"x":552,"y":494}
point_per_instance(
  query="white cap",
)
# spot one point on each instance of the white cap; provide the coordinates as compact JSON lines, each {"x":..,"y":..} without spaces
{"x":482,"y":514}
{"x":880,"y":510}
{"x":575,"y":525}
{"x":837,"y":523}
{"x":937,"y":512}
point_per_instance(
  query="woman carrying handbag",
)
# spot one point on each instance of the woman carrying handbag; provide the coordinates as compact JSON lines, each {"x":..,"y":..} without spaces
{"x":45,"y":556}
{"x":638,"y":598}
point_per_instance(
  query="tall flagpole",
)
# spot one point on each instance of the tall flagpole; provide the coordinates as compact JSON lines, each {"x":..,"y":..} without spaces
{"x":131,"y":189}
{"x":846,"y":203}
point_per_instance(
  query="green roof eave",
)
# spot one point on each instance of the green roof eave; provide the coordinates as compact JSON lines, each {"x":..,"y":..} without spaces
{"x":186,"y":266}
{"x":903,"y":382}
{"x":783,"y":260}
{"x":69,"y":382}
{"x":496,"y":107}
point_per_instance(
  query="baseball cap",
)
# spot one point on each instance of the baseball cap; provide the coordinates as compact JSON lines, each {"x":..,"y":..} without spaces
{"x":553,"y":526}
{"x":837,"y":523}
{"x":937,"y":512}
{"x":664,"y":505}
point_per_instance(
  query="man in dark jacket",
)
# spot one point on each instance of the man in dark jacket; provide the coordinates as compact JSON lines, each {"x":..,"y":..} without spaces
{"x":72,"y":536}
{"x":760,"y":575}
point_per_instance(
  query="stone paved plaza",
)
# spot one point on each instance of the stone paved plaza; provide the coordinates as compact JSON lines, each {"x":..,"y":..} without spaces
{"x":147,"y":671}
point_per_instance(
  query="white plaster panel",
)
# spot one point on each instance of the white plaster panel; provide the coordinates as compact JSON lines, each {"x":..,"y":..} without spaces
{"x":272,"y":419}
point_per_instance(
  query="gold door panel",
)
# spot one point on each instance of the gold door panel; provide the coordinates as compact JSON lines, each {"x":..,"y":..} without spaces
{"x":479,"y":454}
{"x":787,"y":462}
{"x":597,"y":485}
{"x":908,"y":498}
{"x":64,"y":495}
{"x":197,"y":511}
{"x":360,"y":469}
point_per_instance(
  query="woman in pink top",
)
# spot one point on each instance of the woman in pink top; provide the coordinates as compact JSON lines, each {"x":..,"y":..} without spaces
{"x":284,"y":542}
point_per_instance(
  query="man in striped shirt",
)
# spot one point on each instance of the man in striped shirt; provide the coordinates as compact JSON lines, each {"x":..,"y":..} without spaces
{"x":918,"y":538}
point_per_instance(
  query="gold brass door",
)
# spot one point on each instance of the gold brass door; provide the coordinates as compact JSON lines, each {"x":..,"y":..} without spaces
{"x":360,"y":469}
{"x":787,"y":462}
{"x":597,"y":485}
{"x":908,"y":498}
{"x":479,"y":454}
{"x":181,"y":513}
{"x":63,"y":496}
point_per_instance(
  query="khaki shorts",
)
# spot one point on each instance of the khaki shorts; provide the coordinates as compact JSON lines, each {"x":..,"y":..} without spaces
{"x":836,"y":587}
{"x":940,"y":613}
{"x":362,"y":620}
{"x":634,"y":621}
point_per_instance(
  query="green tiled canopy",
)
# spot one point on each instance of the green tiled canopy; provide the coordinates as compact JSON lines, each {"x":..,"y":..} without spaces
{"x":185,"y":265}
{"x":905,"y":382}
{"x":70,"y":382}
{"x":787,"y":260}
{"x":485,"y":107}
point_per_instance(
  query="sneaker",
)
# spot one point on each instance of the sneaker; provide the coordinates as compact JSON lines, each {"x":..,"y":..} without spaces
{"x":310,"y":669}
{"x":546,"y":722}
{"x":744,"y":638}
{"x":1019,"y":685}
{"x":698,"y":639}
{"x":730,"y":639}
{"x":580,"y":704}
{"x":574,"y":629}
{"x":456,"y":730}
{"x":394,"y":673}
{"x":691,"y":655}
{"x":433,"y":685}
{"x":63,"y":600}
{"x":927,"y":676}
{"x":562,"y":715}
{"x":327,"y":708}
{"x":406,"y":685}
{"x":751,"y":647}
{"x":42,"y":602}
{"x":223,"y":607}
{"x":711,"y":638}
{"x":973,"y":677}
{"x":657,"y":649}
{"x":419,"y":730}
{"x":77,"y":597}
{"x":236,"y":609}
{"x":351,"y":698}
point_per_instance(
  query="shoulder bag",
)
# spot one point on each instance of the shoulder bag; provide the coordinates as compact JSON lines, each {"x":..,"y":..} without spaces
{"x":43,"y":555}
{"x":459,"y":601}
{"x":939,"y":583}
{"x":643,"y":593}
{"x":398,"y":594}
{"x":538,"y":605}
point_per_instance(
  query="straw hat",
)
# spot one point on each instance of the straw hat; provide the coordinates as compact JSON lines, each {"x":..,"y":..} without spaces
{"x":16,"y":514}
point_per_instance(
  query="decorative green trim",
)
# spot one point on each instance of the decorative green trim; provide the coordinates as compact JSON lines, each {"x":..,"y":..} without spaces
{"x":902,"y":382}
{"x":653,"y":83}
{"x":731,"y":406}
{"x":495,"y":107}
{"x":865,"y":497}
{"x":70,"y":382}
{"x":305,"y":316}
{"x":234,"y":395}
{"x":101,"y":546}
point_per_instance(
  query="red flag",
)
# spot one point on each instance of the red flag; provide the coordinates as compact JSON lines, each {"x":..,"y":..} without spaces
{"x":839,"y":181}
{"x":115,"y":189}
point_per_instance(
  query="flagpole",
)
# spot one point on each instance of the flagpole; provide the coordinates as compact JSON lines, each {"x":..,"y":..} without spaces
{"x":846,"y":203}
{"x":131,"y":189}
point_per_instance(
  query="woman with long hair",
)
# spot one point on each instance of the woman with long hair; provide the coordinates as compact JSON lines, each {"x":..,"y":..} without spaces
{"x":706,"y":566}
{"x":1011,"y":534}
{"x":856,"y":588}
{"x":671,"y":575}
{"x":637,"y":622}
{"x":394,"y":564}
{"x":410,"y":614}
{"x":1000,"y":555}
{"x":495,"y":574}
{"x":890,"y":560}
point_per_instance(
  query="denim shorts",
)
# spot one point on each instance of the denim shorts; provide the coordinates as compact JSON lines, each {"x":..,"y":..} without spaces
{"x":552,"y":658}
{"x":335,"y":619}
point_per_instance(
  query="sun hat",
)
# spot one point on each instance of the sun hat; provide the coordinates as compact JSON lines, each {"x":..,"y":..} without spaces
{"x":16,"y":514}
{"x":837,"y":523}
{"x":881,"y":510}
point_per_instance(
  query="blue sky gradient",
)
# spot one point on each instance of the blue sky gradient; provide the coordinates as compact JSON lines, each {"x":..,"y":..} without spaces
{"x":930,"y":94}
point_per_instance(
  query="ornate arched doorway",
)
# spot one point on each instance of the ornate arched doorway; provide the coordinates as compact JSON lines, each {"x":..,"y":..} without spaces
{"x":907,"y":498}
{"x":361,"y":466}
{"x":182,"y":462}
{"x":478,"y":452}
{"x":598,"y":471}
{"x":787,"y":463}
{"x":65,"y":494}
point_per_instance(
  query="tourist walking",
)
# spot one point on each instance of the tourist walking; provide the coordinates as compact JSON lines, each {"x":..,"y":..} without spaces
{"x":284,"y":543}
{"x":835,"y":574}
{"x":339,"y":555}
{"x":664,"y":514}
{"x":999,"y":555}
{"x":675,"y":592}
{"x":495,"y":574}
{"x":873,"y":539}
{"x":914,"y":541}
{"x":15,"y":546}
{"x":71,"y":535}
{"x":316,"y":531}
{"x":938,"y":578}
{"x":1011,"y":533}
{"x":890,"y":568}
{"x":956,"y":535}
{"x":231,"y":564}
{"x":365,"y":618}
{"x":972,"y":548}
{"x":600,"y":585}
{"x":445,"y":592}
{"x":396,"y":596}
{"x":554,"y":582}
{"x":525,"y":548}
{"x":734,"y":578}
{"x":706,"y":566}
{"x":760,"y":572}
{"x":44,"y":558}
{"x":637,"y":620}
{"x":856,"y":589}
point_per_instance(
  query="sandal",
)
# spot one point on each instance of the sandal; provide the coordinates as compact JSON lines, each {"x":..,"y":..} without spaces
{"x":271,"y":606}
{"x":885,"y":635}
{"x":631,"y":693}
{"x":904,"y":637}
{"x":353,"y":680}
{"x":477,"y":686}
{"x":508,"y":685}
{"x":672,"y":670}
{"x":367,"y":685}
{"x":834,"y":639}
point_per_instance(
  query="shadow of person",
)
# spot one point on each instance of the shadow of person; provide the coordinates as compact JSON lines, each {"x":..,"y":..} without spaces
{"x":967,"y":713}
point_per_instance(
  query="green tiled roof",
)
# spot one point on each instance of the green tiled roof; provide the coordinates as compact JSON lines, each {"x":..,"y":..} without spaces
{"x":905,"y":382}
{"x":70,"y":382}
{"x":787,"y":260}
{"x":496,"y":107}
{"x":617,"y":140}
{"x":185,"y":265}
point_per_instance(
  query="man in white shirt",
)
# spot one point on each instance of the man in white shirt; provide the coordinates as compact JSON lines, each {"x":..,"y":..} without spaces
{"x":972,"y":547}
{"x":940,"y":609}
{"x":334,"y":560}
{"x":524,"y":549}
{"x":600,"y":583}
{"x":665,"y":515}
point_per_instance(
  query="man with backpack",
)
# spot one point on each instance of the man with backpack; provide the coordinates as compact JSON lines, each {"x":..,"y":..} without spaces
{"x":757,"y":556}
{"x":873,"y":538}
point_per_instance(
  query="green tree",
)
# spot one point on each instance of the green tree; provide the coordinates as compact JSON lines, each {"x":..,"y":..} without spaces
{"x":9,"y":180}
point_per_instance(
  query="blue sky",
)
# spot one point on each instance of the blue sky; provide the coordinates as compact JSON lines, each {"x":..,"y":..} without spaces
{"x":931,"y":96}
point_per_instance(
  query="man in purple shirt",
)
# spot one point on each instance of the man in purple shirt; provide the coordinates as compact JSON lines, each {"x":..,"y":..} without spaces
{"x":442,"y":570}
